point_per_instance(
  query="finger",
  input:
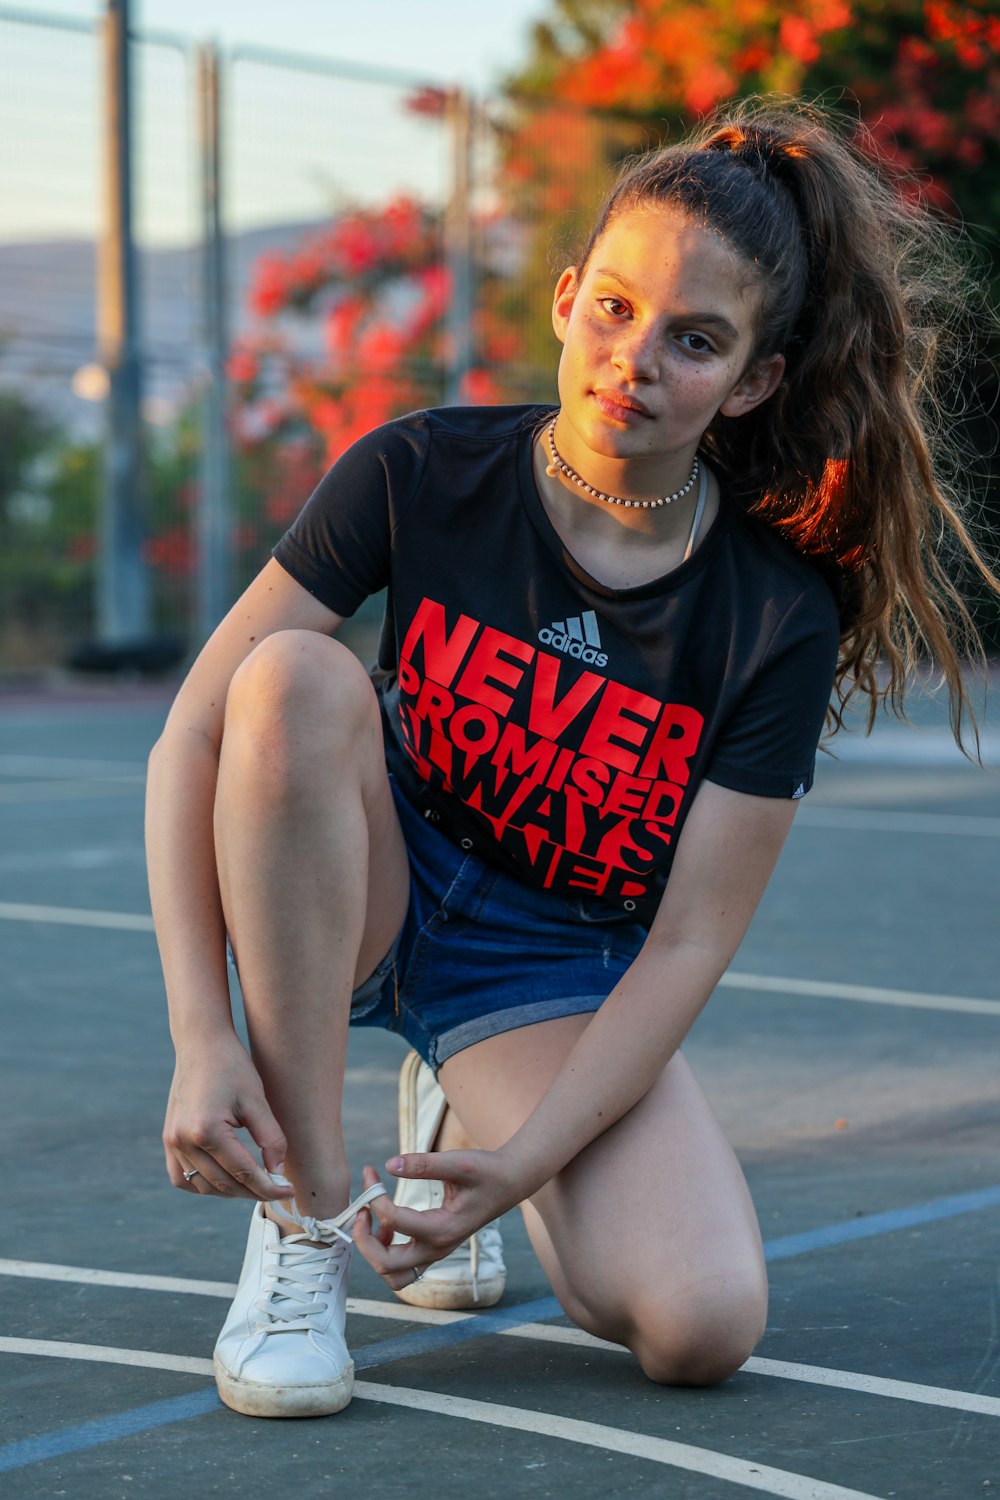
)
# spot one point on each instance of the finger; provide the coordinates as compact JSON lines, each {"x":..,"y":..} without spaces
{"x":396,"y":1264}
{"x":439,"y":1166}
{"x":267,"y":1133}
{"x":197,"y":1172}
{"x":226,"y":1168}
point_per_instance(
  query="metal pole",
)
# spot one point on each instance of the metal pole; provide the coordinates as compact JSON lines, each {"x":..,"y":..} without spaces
{"x":214,"y":528}
{"x":123,"y":584}
{"x":458,"y":249}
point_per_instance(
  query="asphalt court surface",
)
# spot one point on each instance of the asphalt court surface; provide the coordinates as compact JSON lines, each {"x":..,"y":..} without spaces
{"x":851,"y":1055}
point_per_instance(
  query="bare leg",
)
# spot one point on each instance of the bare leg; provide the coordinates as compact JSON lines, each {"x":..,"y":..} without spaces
{"x":314,"y":880}
{"x":648,"y":1237}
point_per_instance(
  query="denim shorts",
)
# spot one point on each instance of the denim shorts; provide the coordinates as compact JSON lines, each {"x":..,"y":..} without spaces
{"x":481,"y":953}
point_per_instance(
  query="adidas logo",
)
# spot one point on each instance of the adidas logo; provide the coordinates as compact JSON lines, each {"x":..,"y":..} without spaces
{"x":577,"y":636}
{"x":800,"y":791}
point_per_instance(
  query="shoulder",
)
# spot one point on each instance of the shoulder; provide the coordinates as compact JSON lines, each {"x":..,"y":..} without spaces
{"x":483,"y":424}
{"x":412,"y":438}
{"x":791,"y":583}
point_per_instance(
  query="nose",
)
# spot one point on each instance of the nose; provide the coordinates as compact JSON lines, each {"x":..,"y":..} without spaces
{"x":636,"y":354}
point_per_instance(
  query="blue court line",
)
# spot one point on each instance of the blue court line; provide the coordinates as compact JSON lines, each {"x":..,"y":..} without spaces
{"x":106,"y":1429}
{"x":874,"y":1224}
{"x":126,"y":1424}
{"x":449,"y":1334}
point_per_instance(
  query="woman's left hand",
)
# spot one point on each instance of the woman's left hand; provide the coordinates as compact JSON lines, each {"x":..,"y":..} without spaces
{"x":477,"y":1188}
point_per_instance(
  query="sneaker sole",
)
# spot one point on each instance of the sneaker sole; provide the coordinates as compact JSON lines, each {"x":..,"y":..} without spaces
{"x":251,"y":1398}
{"x":453,"y":1296}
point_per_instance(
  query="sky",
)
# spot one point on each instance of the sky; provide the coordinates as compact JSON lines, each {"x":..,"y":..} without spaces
{"x":465,"y":41}
{"x":299,"y":145}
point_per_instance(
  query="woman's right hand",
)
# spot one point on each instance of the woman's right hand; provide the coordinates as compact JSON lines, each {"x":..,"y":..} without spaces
{"x":216,"y":1092}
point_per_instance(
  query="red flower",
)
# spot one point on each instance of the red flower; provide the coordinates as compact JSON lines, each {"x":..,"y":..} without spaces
{"x":269,"y":291}
{"x":242,"y":367}
{"x":798,"y":38}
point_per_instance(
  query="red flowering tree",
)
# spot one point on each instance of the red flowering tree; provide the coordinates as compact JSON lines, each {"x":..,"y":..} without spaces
{"x":352,"y":330}
{"x":925,"y":74}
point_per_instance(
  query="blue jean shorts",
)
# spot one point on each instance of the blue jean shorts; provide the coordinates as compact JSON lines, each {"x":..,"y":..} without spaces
{"x":481,"y":953}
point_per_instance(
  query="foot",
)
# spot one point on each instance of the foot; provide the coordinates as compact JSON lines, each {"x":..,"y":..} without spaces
{"x":281,"y":1352}
{"x":474,"y":1275}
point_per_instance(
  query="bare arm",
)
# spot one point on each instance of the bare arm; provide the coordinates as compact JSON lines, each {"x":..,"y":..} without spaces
{"x":724,"y":859}
{"x":184,"y":889}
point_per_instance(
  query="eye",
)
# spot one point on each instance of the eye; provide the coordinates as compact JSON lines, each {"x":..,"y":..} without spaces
{"x":614,"y":306}
{"x":697,"y":343}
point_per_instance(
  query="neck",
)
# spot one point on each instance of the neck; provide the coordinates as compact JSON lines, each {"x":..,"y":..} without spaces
{"x":637,"y":482}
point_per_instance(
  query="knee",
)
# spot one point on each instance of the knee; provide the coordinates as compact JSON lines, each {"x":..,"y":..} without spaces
{"x":700,"y":1339}
{"x":296,"y":688}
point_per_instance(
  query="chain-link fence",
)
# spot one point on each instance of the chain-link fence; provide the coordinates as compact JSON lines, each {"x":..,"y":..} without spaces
{"x":386,"y":245}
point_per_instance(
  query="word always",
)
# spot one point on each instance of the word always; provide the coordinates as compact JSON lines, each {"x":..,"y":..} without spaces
{"x":580,"y":777}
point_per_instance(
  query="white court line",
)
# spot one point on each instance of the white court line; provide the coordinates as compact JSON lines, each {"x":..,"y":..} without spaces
{"x":745,"y":1471}
{"x":72,"y":916}
{"x":823,"y":990}
{"x":550,"y":1333}
{"x":752,"y":1475}
{"x":59,"y":766}
{"x":66,"y":791}
{"x":850,"y":818}
{"x":365,"y":1307}
{"x":19,"y":911}
{"x":779,"y":1369}
{"x":147,"y":1359}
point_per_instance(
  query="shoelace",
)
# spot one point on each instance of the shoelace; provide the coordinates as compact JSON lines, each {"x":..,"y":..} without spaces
{"x":305,"y":1266}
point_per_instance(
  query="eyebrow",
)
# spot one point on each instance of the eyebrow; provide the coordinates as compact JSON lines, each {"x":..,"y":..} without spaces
{"x":711,"y":319}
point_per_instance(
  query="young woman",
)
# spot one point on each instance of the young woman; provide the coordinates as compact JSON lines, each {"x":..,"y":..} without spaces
{"x":532,"y":841}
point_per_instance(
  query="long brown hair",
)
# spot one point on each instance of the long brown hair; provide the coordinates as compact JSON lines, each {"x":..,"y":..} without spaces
{"x":852,"y":459}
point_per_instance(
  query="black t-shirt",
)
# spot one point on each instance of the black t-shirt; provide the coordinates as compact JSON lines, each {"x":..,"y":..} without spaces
{"x":555,"y":725}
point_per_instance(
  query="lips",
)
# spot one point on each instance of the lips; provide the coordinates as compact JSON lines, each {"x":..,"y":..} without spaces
{"x":617,"y":403}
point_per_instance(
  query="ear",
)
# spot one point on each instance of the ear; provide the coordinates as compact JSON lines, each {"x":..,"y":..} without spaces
{"x":562,"y":303}
{"x":754,"y":386}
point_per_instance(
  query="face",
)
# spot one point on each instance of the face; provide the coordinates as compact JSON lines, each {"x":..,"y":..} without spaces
{"x":657,"y":339}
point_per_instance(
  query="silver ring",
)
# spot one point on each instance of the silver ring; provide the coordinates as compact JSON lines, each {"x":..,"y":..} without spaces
{"x":194,"y":1172}
{"x":417,"y":1276}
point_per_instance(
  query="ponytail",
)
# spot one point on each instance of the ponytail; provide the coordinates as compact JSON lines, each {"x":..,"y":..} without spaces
{"x":851,"y":459}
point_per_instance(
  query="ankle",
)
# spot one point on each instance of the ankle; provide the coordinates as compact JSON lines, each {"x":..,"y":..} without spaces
{"x":313,"y":1202}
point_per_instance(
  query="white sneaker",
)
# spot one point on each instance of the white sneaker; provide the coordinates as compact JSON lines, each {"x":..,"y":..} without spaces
{"x":281,"y":1352}
{"x":474,"y":1275}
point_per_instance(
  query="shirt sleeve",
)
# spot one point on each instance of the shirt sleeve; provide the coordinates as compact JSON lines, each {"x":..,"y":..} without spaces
{"x":767,"y":747}
{"x":338,"y":547}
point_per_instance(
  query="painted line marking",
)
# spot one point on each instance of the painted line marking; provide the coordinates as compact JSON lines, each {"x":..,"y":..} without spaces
{"x":723,"y":1466}
{"x":820,"y":989}
{"x":92,"y":857}
{"x":58,"y":766}
{"x":850,"y":819}
{"x":146,"y":1359}
{"x":87,"y":1276}
{"x":67,"y":791}
{"x":751,"y":1475}
{"x":784,"y":1248}
{"x":913,"y":746}
{"x":362,"y":1307}
{"x":845,"y":1233}
{"x":876,"y":1385}
{"x":779,"y":1369}
{"x":107,"y":1429}
{"x":71,"y":916}
{"x":773,"y":1369}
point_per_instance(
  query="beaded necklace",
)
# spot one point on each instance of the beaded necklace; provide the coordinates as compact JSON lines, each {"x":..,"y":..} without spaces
{"x":558,"y":465}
